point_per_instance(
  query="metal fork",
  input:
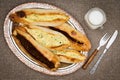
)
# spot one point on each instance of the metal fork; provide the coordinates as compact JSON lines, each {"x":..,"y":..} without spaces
{"x":102,"y":42}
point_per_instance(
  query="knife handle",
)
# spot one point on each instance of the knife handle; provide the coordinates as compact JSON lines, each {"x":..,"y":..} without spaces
{"x":90,"y":59}
{"x":92,"y":71}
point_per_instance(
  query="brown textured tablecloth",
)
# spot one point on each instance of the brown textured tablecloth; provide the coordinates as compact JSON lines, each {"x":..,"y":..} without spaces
{"x":11,"y":68}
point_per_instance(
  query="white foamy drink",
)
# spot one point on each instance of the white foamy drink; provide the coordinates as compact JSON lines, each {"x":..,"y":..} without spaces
{"x":95,"y":18}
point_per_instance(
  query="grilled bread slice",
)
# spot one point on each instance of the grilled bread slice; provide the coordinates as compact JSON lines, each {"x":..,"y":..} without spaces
{"x":35,"y":51}
{"x":42,"y":17}
{"x":69,"y":56}
{"x":48,"y":38}
{"x":79,"y":41}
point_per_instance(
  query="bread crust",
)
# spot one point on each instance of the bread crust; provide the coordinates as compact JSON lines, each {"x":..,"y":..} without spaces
{"x":63,"y":44}
{"x":70,"y":56}
{"x":40,"y":17}
{"x":53,"y":22}
{"x":44,"y":51}
{"x":79,"y":41}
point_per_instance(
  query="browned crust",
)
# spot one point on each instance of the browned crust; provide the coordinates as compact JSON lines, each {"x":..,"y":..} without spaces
{"x":66,"y":59}
{"x":26,"y":53}
{"x":70,"y":56}
{"x":48,"y":54}
{"x":20,"y":17}
{"x":77,"y":36}
{"x":45,"y":11}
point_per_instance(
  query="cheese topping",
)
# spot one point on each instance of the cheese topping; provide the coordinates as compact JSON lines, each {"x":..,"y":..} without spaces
{"x":48,"y":39}
{"x":71,"y":54}
{"x":47,"y":17}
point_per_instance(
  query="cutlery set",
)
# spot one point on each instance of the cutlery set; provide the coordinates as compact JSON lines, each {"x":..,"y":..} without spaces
{"x":106,"y":38}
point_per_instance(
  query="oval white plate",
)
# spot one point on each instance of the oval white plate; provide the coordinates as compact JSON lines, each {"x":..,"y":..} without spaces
{"x":11,"y":43}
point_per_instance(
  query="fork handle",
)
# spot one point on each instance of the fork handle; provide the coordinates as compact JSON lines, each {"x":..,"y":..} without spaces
{"x":90,"y":59}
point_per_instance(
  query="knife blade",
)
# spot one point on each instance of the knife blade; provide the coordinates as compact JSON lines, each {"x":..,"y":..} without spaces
{"x":110,"y":42}
{"x":112,"y":39}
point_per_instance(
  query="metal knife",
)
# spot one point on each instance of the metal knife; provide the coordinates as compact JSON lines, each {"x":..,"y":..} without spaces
{"x":112,"y":39}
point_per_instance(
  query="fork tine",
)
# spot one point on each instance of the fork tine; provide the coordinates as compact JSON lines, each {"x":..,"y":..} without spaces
{"x":105,"y":35}
{"x":106,"y":38}
{"x":103,"y":40}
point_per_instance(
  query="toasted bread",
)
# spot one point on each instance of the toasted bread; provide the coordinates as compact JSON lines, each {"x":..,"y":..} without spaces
{"x":48,"y":38}
{"x":69,"y":56}
{"x":40,"y":17}
{"x":79,"y":40}
{"x":35,"y":51}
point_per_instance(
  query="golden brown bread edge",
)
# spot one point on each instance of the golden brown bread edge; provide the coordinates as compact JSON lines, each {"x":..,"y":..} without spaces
{"x":70,"y":56}
{"x":79,"y":41}
{"x":52,"y":62}
{"x":22,"y":17}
